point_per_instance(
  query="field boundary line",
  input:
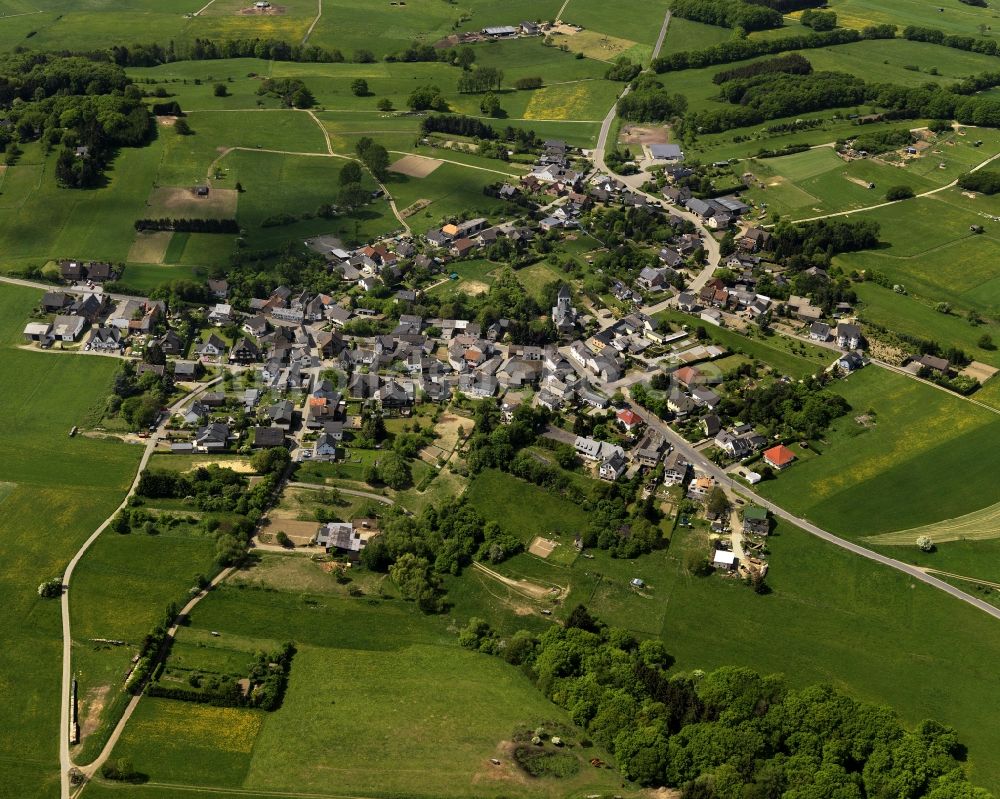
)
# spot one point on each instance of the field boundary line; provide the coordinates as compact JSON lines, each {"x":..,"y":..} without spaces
{"x":875,"y":207}
{"x":456,"y":163}
{"x":319,"y":13}
{"x":976,"y":580}
{"x":203,"y":8}
{"x":65,"y":759}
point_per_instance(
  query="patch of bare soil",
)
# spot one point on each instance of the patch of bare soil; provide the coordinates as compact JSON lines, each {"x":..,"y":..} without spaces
{"x":501,"y":767}
{"x":93,"y":704}
{"x":638,"y":134}
{"x":413,"y":208}
{"x":415,"y":166}
{"x":166,"y":121}
{"x":169,"y":201}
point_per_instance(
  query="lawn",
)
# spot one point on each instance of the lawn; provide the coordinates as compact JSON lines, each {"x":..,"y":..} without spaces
{"x":921,"y":462}
{"x":372,"y":682}
{"x":536,"y":277}
{"x":58,"y":490}
{"x":475,"y":276}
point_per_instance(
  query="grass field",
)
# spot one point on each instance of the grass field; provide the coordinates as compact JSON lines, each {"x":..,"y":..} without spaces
{"x":933,"y":255}
{"x":953,"y":16}
{"x":451,"y":189}
{"x":980,"y":525}
{"x":372,"y":682}
{"x":916,"y":317}
{"x":831,"y":617}
{"x":77,"y":482}
{"x":536,"y":277}
{"x":523,"y":508}
{"x":920,"y":463}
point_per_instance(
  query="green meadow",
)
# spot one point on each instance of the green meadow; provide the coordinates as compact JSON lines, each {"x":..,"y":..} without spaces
{"x":933,"y":254}
{"x":373,"y":681}
{"x":922,"y":461}
{"x":916,"y":317}
{"x":63,"y":488}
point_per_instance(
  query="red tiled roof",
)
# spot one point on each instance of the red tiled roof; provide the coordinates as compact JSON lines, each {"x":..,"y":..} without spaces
{"x":779,"y":455}
{"x":628,"y":416}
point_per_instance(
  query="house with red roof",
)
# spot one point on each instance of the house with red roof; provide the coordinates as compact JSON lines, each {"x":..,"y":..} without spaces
{"x":779,"y":457}
{"x":629,"y":419}
{"x":687,"y":375}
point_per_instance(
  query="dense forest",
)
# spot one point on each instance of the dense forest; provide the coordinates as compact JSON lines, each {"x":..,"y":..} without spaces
{"x":86,"y":110}
{"x":731,"y":733}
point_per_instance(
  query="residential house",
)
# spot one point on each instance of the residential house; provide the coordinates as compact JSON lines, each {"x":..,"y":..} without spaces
{"x":268,"y":437}
{"x":848,"y":336}
{"x":325,"y":447}
{"x":652,"y":279}
{"x":55,"y":301}
{"x":613,"y":467}
{"x":187,"y":370}
{"x":477,"y":385}
{"x":281,"y":414}
{"x":218,"y":288}
{"x":171,"y":343}
{"x":629,"y":419}
{"x":779,"y":457}
{"x":675,"y":468}
{"x":819,"y":331}
{"x":244,"y":351}
{"x":105,"y":339}
{"x":212,"y":437}
{"x":72,"y":271}
{"x":852,"y":361}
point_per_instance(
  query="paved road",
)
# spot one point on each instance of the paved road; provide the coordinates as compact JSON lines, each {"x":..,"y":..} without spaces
{"x":712,"y":254}
{"x":65,"y":759}
{"x":33,"y":284}
{"x":702,"y":463}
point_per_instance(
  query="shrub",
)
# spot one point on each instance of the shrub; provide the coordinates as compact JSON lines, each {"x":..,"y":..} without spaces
{"x":899,"y":193}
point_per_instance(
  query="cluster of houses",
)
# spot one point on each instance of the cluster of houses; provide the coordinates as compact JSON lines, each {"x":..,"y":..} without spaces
{"x":90,"y":317}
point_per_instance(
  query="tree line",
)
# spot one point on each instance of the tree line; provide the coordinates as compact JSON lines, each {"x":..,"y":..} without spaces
{"x":790,"y":64}
{"x":776,"y":95}
{"x":731,"y":732}
{"x":728,"y":14}
{"x":185,"y":225}
{"x":743,"y":49}
{"x":916,"y":33}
